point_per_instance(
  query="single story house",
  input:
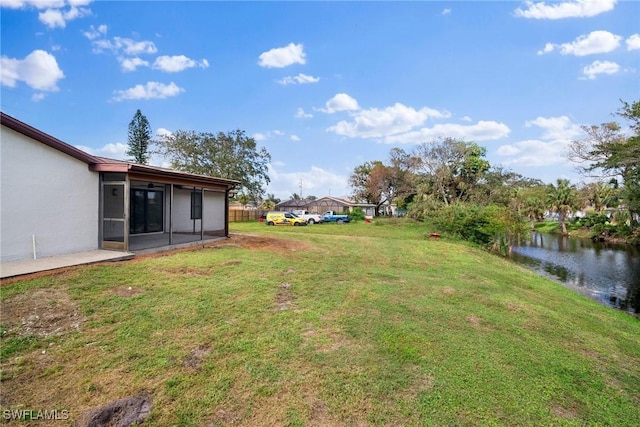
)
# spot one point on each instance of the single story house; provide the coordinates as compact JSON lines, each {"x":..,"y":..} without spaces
{"x":56,"y":199}
{"x":323,"y":204}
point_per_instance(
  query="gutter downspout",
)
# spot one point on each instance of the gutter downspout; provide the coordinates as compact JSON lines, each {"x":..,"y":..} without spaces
{"x":226,"y":212}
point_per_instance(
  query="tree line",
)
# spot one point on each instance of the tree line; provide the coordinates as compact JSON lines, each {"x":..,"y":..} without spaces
{"x":450,"y":182}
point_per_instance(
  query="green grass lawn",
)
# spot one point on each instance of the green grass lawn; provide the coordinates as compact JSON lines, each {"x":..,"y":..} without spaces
{"x":346,"y":325}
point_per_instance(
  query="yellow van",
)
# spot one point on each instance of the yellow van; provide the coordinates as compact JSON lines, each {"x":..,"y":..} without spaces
{"x":284,"y":218}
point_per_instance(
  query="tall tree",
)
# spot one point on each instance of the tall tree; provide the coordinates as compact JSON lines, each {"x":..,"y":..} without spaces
{"x":598,"y":195}
{"x":359,"y":182}
{"x":499,"y":186}
{"x":607,"y":151}
{"x":562,"y":200}
{"x":452,"y":167}
{"x":243,"y":199}
{"x":231,"y":155}
{"x":139,"y":138}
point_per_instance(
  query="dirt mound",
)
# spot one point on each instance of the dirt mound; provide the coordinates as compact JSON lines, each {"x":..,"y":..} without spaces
{"x":40,"y":312}
{"x":120,"y":413}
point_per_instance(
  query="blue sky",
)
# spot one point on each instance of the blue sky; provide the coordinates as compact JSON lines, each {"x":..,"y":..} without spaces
{"x":325,"y":86}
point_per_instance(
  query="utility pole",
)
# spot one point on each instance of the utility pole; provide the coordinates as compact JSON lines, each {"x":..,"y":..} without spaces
{"x":300,"y":185}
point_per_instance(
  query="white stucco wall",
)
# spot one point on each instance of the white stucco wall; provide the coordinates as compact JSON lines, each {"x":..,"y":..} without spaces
{"x":46,"y":193}
{"x":213,"y":211}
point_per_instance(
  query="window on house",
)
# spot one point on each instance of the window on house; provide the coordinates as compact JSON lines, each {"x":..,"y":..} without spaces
{"x":196,"y":205}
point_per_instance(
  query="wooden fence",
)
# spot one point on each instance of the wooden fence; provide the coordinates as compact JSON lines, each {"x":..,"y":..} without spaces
{"x":237,"y":215}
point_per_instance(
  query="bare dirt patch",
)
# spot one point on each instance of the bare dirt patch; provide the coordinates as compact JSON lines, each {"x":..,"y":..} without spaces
{"x":121,"y":413}
{"x":40,"y":312}
{"x":566,"y":413}
{"x":195,"y":357}
{"x":187,"y":271}
{"x":448,"y":291}
{"x":474,"y":320}
{"x":247,"y":241}
{"x":326,"y":340}
{"x":284,"y":297}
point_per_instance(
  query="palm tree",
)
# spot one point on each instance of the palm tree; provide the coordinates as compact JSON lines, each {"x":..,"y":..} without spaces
{"x":561,"y":199}
{"x":534,"y":208}
{"x":268,"y":205}
{"x":244,"y":199}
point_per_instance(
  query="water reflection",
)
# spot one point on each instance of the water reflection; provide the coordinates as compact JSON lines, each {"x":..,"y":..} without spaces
{"x":607,"y":272}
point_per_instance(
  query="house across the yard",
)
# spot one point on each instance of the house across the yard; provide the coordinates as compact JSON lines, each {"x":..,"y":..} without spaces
{"x":324,"y":204}
{"x":57,"y":200}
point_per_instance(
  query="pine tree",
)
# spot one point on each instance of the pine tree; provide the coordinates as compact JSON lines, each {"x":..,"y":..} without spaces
{"x":139,"y":138}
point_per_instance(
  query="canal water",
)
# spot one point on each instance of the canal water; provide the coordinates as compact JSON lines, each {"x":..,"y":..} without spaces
{"x":606,"y":272}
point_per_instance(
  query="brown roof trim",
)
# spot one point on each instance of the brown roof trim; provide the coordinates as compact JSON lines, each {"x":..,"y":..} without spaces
{"x":33,"y":133}
{"x":168,"y":176}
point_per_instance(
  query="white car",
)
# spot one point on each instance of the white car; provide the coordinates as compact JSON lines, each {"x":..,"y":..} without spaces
{"x":311,"y":218}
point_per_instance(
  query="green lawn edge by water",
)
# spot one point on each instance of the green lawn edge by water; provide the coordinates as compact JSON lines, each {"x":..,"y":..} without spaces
{"x":352,"y":324}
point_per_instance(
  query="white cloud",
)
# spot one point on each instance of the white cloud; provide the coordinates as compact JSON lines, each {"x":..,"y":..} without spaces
{"x":125,"y":45}
{"x":57,"y":18}
{"x":550,"y":149}
{"x":299,"y":79}
{"x":567,"y":9}
{"x":600,"y":67}
{"x":177,"y":63}
{"x":375,"y":123}
{"x":556,"y":127}
{"x":340,"y":102}
{"x":54,"y":15}
{"x":262,"y":136}
{"x":300,"y":114}
{"x":39,"y":4}
{"x":633,"y":42}
{"x":39,"y":70}
{"x":42,"y":4}
{"x":112,"y":150}
{"x":282,"y":56}
{"x":316,"y":181}
{"x":534,"y":152}
{"x":151,"y":90}
{"x":131,"y":64}
{"x":446,"y":11}
{"x":481,"y":131}
{"x":594,"y":42}
{"x":466,"y":119}
{"x":162,"y":132}
{"x":548,"y":47}
{"x":37,"y":97}
{"x":507,"y":150}
{"x":294,"y":138}
{"x":94,"y":32}
{"x":118,"y":151}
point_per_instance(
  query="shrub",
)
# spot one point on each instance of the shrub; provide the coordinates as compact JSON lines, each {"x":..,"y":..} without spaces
{"x":357,"y":214}
{"x":591,"y":220}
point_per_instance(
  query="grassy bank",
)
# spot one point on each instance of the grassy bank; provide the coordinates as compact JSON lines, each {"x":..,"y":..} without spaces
{"x":355,"y":324}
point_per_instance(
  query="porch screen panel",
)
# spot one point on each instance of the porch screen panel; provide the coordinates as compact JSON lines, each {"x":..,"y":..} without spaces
{"x":113,"y":223}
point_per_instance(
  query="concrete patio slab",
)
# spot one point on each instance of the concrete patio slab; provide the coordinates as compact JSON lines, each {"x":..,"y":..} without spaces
{"x":19,"y":268}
